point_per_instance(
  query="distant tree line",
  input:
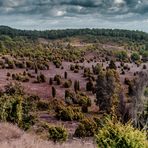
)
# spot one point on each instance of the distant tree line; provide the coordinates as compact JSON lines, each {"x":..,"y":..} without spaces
{"x":55,"y":34}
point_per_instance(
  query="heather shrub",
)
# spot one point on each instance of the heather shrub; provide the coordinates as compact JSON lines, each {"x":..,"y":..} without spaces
{"x":20,"y":77}
{"x":57,"y":63}
{"x":14,"y":88}
{"x":10,"y":64}
{"x":87,"y":72}
{"x":19,"y":64}
{"x":86,"y":128}
{"x":41,"y":78}
{"x":42,"y":105}
{"x":69,"y":97}
{"x":112,"y":65}
{"x":65,"y":114}
{"x":76,"y":71}
{"x":127,"y":81}
{"x":57,"y":78}
{"x":72,"y":67}
{"x":50,"y":81}
{"x":67,"y":84}
{"x":57,"y":133}
{"x":135,"y":56}
{"x":89,"y":86}
{"x":144,"y":66}
{"x":121,"y":55}
{"x":96,"y":69}
{"x":8,"y":74}
{"x":68,"y":113}
{"x":83,"y":99}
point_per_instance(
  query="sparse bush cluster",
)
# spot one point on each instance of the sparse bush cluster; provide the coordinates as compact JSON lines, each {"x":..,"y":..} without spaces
{"x":88,"y":127}
{"x":75,"y":68}
{"x":96,"y":69}
{"x":58,"y":79}
{"x":57,"y":62}
{"x":56,"y":133}
{"x":41,"y":78}
{"x":68,"y":113}
{"x":21,"y":77}
{"x":15,"y":108}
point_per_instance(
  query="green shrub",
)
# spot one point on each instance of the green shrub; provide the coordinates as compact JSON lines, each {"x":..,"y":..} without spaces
{"x":57,"y":133}
{"x":87,"y":72}
{"x":69,"y":97}
{"x":67,"y":84}
{"x":72,"y":67}
{"x":89,"y":86}
{"x":42,"y":105}
{"x":144,"y":66}
{"x":112,"y":65}
{"x":8,"y":74}
{"x":121,"y":55}
{"x":65,"y":114}
{"x":20,"y":77}
{"x":15,"y":109}
{"x":10,"y":64}
{"x":41,"y":78}
{"x":50,"y":81}
{"x":117,"y":135}
{"x":96,"y":69}
{"x":30,"y":64}
{"x":83,"y":99}
{"x":135,"y":56}
{"x":87,"y":128}
{"x":19,"y":64}
{"x":68,"y":113}
{"x":57,"y":63}
{"x":57,"y":78}
{"x":14,"y":88}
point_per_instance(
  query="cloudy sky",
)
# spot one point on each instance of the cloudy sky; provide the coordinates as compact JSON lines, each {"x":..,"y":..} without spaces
{"x":58,"y":14}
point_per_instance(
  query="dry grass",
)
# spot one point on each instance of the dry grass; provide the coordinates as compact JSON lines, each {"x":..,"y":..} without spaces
{"x":13,"y":137}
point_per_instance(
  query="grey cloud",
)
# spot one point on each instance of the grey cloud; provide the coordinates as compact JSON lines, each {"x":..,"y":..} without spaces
{"x":57,"y":12}
{"x":103,"y":7}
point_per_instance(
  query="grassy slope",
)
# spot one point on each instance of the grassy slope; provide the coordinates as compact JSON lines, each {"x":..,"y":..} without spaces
{"x":12,"y":137}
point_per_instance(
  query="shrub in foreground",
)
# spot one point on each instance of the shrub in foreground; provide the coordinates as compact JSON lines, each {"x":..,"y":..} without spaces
{"x":117,"y":135}
{"x":15,"y":109}
{"x":57,"y":134}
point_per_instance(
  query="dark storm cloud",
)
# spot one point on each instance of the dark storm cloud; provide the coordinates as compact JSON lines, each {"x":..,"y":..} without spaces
{"x":57,"y":11}
{"x":103,"y":7}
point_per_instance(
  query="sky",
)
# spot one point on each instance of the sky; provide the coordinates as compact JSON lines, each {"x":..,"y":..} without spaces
{"x":61,"y":14}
